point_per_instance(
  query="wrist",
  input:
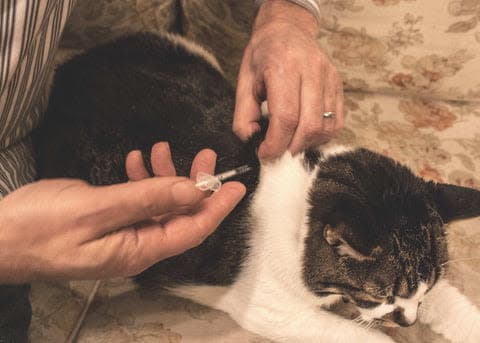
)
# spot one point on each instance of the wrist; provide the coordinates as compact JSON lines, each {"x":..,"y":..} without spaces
{"x":287,"y":12}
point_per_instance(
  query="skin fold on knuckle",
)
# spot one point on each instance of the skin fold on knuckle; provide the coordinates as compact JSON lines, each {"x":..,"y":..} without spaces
{"x":130,"y":257}
{"x":278,"y":64}
{"x":330,"y":103}
{"x":148,"y":201}
{"x":312,"y":130}
{"x":287,"y":120}
{"x":328,"y":127}
{"x":318,"y":62}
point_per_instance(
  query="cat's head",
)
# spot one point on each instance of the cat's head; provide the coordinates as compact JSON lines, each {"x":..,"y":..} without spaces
{"x":376,"y":234}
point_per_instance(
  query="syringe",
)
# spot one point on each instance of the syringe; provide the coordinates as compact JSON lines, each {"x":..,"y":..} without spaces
{"x":214,"y":182}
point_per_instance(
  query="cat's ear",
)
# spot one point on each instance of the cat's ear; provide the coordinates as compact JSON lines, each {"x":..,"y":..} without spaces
{"x":456,"y":202}
{"x":338,"y":236}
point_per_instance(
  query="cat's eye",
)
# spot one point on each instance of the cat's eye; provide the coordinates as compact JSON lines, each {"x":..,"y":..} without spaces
{"x":326,"y":293}
{"x":365,"y":303}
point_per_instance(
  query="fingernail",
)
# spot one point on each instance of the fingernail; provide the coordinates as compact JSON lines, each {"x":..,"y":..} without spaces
{"x":162,"y":146}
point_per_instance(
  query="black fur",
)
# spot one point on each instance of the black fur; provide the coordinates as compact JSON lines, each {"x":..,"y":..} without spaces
{"x":130,"y":94}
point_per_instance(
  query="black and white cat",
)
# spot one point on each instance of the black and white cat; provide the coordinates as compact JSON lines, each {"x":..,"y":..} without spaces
{"x":340,"y":223}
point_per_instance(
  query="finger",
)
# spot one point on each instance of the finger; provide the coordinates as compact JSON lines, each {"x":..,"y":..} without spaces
{"x":247,"y":108}
{"x":283,"y":96}
{"x":161,"y":158}
{"x":124,"y":204}
{"x":310,"y":123}
{"x":330,"y":101}
{"x":135,"y":167}
{"x":203,"y":162}
{"x":186,"y":232}
{"x":340,"y":122}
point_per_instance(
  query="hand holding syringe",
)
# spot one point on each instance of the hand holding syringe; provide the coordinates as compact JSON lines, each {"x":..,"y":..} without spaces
{"x":214,"y":182}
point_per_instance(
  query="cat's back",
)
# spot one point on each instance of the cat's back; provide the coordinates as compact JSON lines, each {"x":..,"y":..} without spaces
{"x":129,"y":94}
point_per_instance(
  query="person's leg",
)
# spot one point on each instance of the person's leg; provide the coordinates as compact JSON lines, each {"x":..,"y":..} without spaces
{"x":15,"y":313}
{"x":222,"y":27}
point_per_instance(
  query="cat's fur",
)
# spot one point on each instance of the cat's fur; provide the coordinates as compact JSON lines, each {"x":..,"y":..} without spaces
{"x":313,"y":229}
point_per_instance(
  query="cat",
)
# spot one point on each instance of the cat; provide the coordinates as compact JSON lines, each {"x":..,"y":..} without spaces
{"x":315,"y":228}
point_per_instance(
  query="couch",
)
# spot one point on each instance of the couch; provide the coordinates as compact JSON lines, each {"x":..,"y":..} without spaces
{"x":412,"y":88}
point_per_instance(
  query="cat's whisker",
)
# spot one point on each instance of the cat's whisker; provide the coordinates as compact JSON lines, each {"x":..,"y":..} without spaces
{"x":367,"y":324}
{"x":358,"y":320}
{"x":461,"y":260}
{"x":372,"y":324}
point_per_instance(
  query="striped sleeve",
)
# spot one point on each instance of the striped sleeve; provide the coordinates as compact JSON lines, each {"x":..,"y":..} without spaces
{"x":311,"y":5}
{"x":30,"y":31}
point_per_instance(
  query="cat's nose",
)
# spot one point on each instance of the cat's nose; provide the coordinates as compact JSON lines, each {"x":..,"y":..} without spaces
{"x":401,"y":319}
{"x":398,"y":316}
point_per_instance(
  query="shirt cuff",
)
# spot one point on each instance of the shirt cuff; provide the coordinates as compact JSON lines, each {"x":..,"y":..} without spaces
{"x":311,"y":5}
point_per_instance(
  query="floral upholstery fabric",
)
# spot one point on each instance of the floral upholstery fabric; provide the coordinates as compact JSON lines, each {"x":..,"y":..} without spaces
{"x":97,"y":21}
{"x":427,"y":47}
{"x":410,"y":69}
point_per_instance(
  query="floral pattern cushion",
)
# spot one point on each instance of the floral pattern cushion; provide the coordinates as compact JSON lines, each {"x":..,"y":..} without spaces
{"x":426,"y":47}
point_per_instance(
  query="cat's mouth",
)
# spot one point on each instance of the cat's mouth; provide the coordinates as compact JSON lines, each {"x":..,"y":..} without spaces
{"x":386,"y":323}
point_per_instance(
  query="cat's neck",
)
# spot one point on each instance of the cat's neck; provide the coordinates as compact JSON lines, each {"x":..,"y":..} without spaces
{"x":279,"y":211}
{"x":279,"y":221}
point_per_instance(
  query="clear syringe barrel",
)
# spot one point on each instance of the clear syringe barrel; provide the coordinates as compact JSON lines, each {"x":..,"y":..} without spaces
{"x":214,"y":182}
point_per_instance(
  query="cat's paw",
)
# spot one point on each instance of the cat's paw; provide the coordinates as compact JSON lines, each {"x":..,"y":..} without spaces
{"x":451,"y":314}
{"x":462,"y":336}
{"x":371,"y":336}
{"x":382,"y":338}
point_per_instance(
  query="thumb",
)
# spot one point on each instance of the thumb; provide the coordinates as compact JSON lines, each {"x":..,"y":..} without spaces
{"x":124,"y":204}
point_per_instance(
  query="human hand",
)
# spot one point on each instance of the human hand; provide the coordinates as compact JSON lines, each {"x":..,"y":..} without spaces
{"x":65,"y":228}
{"x":284,"y":64}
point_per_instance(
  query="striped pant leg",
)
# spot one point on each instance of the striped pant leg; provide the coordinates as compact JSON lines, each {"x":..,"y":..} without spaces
{"x":16,"y":169}
{"x":15,"y":313}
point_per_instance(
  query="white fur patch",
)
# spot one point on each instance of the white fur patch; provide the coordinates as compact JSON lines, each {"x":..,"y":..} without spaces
{"x":450,"y":313}
{"x":409,"y":306}
{"x":330,"y":150}
{"x":193,"y":48}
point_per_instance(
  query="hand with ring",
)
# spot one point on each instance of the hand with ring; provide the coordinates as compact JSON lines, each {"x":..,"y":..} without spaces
{"x":284,"y":64}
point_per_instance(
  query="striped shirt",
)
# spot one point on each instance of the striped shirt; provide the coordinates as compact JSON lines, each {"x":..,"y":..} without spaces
{"x":30,"y":31}
{"x":311,"y":5}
